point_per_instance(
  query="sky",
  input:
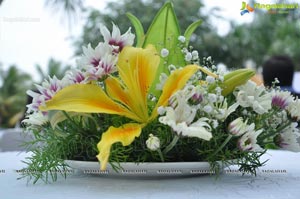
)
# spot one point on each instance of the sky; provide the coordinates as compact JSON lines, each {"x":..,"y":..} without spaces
{"x":31,"y":33}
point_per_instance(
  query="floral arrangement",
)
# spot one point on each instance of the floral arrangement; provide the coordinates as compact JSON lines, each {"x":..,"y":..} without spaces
{"x":155,"y":102}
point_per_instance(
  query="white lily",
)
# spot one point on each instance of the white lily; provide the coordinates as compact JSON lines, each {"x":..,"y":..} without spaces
{"x":251,"y":95}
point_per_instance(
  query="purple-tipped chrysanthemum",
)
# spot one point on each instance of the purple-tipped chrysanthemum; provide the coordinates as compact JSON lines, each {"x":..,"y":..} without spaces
{"x":281,"y":99}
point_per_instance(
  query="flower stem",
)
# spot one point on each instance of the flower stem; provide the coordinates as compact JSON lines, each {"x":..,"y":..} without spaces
{"x":272,"y":133}
{"x":160,"y":155}
{"x":171,"y":145}
{"x":223,"y":144}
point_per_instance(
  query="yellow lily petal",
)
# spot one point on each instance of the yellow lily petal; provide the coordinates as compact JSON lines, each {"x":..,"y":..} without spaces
{"x":176,"y":81}
{"x":85,"y":98}
{"x":116,"y":91}
{"x":124,"y":134}
{"x":137,"y":69}
{"x":207,"y":72}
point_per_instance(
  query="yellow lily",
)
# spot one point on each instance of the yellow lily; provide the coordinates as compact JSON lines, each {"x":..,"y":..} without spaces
{"x":126,"y":96}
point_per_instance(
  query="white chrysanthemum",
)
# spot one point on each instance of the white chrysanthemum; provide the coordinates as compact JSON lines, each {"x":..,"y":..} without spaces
{"x":251,"y":95}
{"x":91,"y":57}
{"x":99,"y":61}
{"x":223,"y":111}
{"x":281,"y":99}
{"x":75,"y":77}
{"x":238,"y":127}
{"x":288,"y":139}
{"x":248,"y":142}
{"x":153,"y":142}
{"x":294,"y":109}
{"x":45,"y":92}
{"x":37,"y":118}
{"x":115,"y":38}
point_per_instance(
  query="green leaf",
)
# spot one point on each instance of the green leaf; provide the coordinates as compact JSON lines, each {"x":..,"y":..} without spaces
{"x":139,"y":30}
{"x":55,"y":117}
{"x":271,"y":146}
{"x":163,"y":33}
{"x":189,"y":31}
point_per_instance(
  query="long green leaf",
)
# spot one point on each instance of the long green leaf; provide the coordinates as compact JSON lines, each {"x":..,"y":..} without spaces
{"x":163,"y":33}
{"x":189,"y":31}
{"x":139,"y":30}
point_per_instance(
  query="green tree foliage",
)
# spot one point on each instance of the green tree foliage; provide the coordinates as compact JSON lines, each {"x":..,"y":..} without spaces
{"x":186,"y":11}
{"x":270,"y":33}
{"x":54,"y":68}
{"x":13,"y":86}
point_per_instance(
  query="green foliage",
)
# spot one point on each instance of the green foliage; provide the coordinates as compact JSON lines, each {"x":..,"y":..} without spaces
{"x":67,"y":8}
{"x":268,"y":34}
{"x":76,"y":138}
{"x":13,"y":86}
{"x":144,"y":11}
{"x":54,"y":68}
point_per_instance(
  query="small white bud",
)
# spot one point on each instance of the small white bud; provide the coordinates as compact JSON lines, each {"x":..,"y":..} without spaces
{"x":195,"y":53}
{"x":221,"y":78}
{"x":188,"y":56}
{"x":212,"y":97}
{"x":210,"y":79}
{"x":181,"y":39}
{"x":171,"y":68}
{"x":161,"y":110}
{"x":164,"y":52}
{"x":153,"y":142}
{"x":207,"y":108}
{"x":215,"y":123}
{"x":238,"y":127}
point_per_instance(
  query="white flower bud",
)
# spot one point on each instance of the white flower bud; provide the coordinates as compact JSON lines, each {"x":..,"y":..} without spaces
{"x":195,"y":54}
{"x":215,"y":123}
{"x":181,"y":39}
{"x":212,"y":97}
{"x":153,"y":142}
{"x":207,"y":108}
{"x":164,"y":52}
{"x":188,"y":56}
{"x":210,"y":79}
{"x":238,"y":127}
{"x":161,"y":110}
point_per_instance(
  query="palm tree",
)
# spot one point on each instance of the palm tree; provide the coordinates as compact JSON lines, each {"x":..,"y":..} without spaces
{"x":68,"y":8}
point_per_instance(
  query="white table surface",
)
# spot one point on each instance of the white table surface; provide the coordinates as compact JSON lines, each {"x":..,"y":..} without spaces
{"x":265,"y":185}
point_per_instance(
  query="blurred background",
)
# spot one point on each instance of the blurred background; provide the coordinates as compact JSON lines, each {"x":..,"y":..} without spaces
{"x":44,"y":37}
